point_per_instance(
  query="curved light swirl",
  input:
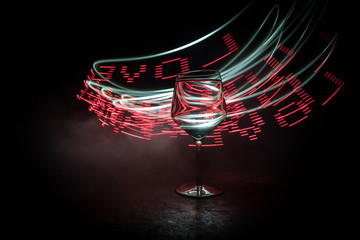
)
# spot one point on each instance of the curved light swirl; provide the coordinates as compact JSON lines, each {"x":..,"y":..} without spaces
{"x":293,"y":30}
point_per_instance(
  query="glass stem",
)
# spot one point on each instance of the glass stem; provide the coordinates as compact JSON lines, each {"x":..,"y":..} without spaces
{"x":198,"y":169}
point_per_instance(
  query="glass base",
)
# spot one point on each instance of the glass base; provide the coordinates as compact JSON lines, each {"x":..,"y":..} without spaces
{"x":198,"y":191}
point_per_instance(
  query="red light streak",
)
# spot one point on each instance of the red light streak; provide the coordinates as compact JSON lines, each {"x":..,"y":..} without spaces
{"x":339,"y":83}
{"x":109,"y":73}
{"x":184,"y":66}
{"x":298,"y":121}
{"x":232,"y":46}
{"x":126,"y":75}
{"x":227,"y":54}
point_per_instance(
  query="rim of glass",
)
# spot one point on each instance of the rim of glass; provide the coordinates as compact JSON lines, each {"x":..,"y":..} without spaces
{"x":199,"y":74}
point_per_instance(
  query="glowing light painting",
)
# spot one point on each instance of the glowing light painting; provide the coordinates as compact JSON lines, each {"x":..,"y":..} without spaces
{"x":274,"y":68}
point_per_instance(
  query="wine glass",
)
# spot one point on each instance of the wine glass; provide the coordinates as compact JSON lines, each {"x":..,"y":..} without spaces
{"x":198,"y":107}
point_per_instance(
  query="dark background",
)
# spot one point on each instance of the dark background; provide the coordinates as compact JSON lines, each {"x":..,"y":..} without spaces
{"x":74,"y":178}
